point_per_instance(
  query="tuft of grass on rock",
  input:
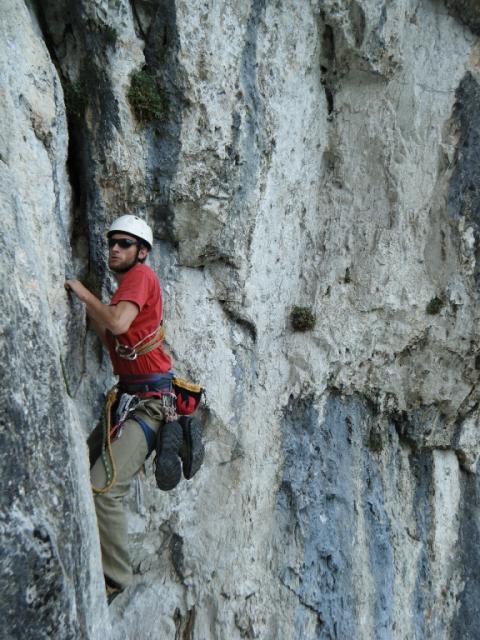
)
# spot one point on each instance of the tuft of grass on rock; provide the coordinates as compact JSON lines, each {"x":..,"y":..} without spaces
{"x":375,"y":443}
{"x":75,"y":98}
{"x":110,"y":35}
{"x":434,"y":306}
{"x":148,"y":102}
{"x":302,"y":319}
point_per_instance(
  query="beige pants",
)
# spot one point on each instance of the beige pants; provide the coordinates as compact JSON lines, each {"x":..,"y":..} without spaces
{"x":129,"y":453}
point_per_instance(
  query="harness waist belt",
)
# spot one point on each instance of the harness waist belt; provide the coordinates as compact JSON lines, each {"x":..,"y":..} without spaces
{"x":146,"y":382}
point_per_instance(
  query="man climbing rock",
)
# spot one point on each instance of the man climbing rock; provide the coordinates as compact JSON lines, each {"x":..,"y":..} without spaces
{"x":142,"y":405}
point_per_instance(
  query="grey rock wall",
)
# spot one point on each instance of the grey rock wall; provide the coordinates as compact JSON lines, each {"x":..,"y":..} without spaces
{"x":50,"y":583}
{"x":320,"y":154}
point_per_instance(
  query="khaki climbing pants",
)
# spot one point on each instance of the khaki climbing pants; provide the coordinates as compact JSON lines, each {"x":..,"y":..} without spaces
{"x":129,"y":453}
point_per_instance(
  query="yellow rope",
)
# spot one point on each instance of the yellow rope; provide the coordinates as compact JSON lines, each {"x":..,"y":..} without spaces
{"x":107,"y":444}
{"x":152,"y":344}
{"x":131,"y":353}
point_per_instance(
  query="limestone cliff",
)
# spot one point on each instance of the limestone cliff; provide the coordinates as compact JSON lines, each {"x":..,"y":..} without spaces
{"x":321,"y":154}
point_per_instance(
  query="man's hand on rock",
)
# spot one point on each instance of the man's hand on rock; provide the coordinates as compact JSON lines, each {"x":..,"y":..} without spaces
{"x":77,"y":287}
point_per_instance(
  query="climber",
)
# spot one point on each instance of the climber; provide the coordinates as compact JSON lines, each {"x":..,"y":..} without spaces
{"x":143,"y":403}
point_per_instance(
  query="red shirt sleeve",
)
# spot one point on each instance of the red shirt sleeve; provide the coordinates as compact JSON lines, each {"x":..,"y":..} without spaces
{"x":135,"y":288}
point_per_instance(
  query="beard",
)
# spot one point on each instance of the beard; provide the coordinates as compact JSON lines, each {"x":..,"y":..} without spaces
{"x":123,"y":266}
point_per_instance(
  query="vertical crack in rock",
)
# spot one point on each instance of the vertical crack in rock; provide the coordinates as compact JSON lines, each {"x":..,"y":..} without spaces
{"x":465,"y":623}
{"x":464,"y":188}
{"x":253,"y":142}
{"x":76,"y":38}
{"x":421,"y":465}
{"x":247,"y":154}
{"x":177,"y":557}
{"x":159,"y":29}
{"x":76,"y":43}
{"x":255,"y":115}
{"x":327,"y":65}
{"x":380,"y":550}
{"x":184,"y":625}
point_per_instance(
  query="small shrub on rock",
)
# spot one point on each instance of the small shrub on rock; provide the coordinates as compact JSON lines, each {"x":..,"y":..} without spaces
{"x":147,"y":101}
{"x":434,"y":306}
{"x":75,"y":98}
{"x":110,"y":34}
{"x":302,"y":319}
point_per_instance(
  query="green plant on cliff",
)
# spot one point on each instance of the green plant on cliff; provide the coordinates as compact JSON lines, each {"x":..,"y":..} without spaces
{"x":375,"y":442}
{"x":110,"y":34}
{"x":434,"y":306}
{"x":75,"y":98}
{"x":302,"y":319}
{"x":148,"y":102}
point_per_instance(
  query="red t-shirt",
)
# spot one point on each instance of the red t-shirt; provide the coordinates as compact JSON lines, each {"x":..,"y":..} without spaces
{"x":142,"y":287}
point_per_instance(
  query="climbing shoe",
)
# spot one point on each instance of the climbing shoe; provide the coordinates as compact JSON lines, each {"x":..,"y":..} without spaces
{"x":192,"y":451}
{"x":168,"y":466}
{"x":112,"y":589}
{"x":112,"y":593}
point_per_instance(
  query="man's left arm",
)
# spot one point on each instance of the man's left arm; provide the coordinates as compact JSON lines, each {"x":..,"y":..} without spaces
{"x":116,"y":318}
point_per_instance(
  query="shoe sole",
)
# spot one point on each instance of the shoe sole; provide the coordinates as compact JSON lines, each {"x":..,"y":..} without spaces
{"x":195,"y":453}
{"x":168,"y":465}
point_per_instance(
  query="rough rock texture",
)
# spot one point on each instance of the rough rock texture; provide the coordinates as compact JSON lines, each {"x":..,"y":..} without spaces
{"x":50,"y":582}
{"x":321,"y":154}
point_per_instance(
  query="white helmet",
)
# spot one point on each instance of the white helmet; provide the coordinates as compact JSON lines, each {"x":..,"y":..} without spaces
{"x":133,"y":225}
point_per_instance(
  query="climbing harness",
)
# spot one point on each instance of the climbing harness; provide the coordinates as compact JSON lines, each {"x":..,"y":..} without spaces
{"x":146,"y":384}
{"x":138,"y":386}
{"x":188,"y":394}
{"x":178,"y":397}
{"x":168,"y":404}
{"x":131,"y":353}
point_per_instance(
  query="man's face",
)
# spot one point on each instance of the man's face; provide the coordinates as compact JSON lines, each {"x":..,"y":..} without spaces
{"x":123,"y":258}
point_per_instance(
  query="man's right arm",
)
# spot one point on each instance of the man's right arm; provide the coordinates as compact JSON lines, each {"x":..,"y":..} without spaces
{"x":116,"y":318}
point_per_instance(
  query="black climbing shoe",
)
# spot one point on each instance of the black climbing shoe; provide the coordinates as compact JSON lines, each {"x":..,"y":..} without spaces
{"x":193,"y":450}
{"x":112,"y":588}
{"x":168,"y":466}
{"x":112,"y":593}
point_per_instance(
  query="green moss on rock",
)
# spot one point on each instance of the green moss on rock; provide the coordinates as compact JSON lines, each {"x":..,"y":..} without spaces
{"x":148,"y":102}
{"x":302,"y":319}
{"x":110,"y":34}
{"x":375,"y":442}
{"x":75,"y":98}
{"x":434,"y":306}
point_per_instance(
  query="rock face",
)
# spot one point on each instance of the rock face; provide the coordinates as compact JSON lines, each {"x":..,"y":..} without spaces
{"x":320,"y":155}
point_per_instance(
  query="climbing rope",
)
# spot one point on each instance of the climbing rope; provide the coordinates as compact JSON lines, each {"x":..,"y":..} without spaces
{"x":110,"y":468}
{"x":132,"y":353}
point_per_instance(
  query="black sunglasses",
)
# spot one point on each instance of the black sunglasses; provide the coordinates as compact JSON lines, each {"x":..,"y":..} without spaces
{"x":123,"y":243}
